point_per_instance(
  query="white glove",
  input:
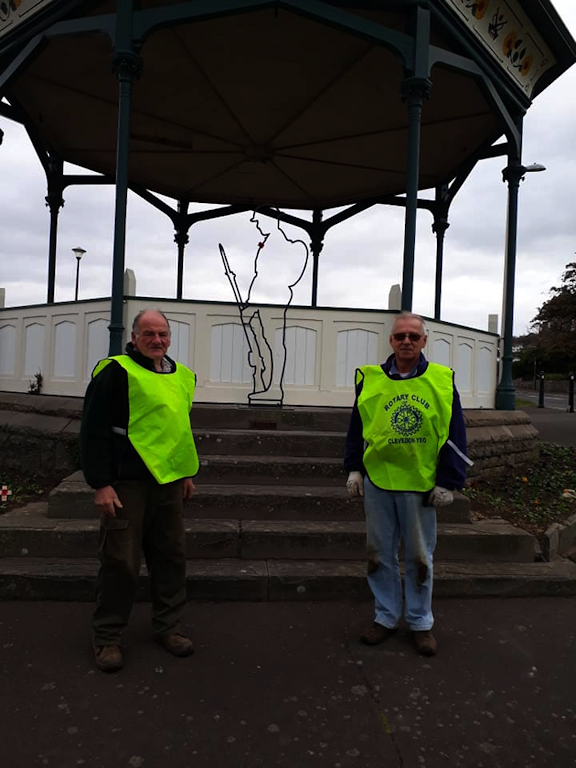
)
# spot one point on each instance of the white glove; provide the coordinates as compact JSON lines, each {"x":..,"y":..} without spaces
{"x":440,"y":497}
{"x":355,"y":484}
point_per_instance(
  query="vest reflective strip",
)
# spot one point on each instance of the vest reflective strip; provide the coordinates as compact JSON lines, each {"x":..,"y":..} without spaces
{"x":459,"y":452}
{"x":119,"y":431}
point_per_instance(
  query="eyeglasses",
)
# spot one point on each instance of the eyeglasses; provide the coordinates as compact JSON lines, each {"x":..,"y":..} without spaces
{"x":402,"y":336}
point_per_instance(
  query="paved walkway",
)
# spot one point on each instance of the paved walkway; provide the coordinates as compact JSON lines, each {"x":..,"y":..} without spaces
{"x":287,"y":684}
{"x":554,"y":425}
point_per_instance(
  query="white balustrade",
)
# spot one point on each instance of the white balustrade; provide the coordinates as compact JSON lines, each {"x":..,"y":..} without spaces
{"x":319,"y":350}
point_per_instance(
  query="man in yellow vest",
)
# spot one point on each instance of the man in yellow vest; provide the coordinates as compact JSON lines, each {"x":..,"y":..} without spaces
{"x":405,"y":454}
{"x":138,"y":453}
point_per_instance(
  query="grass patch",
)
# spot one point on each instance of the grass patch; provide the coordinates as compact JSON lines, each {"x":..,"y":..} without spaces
{"x":531,"y":497}
{"x":521,"y":403}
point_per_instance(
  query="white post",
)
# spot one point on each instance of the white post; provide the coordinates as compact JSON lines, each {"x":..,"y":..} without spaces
{"x":395,"y":297}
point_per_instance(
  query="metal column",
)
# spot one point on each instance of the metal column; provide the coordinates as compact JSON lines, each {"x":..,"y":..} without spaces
{"x":316,"y":244}
{"x":415,"y":90}
{"x":181,"y":225}
{"x":54,"y":201}
{"x":505,"y":391}
{"x":127,"y":66}
{"x":439,"y":227}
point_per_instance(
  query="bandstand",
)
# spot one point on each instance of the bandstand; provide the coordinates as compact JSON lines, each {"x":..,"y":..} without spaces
{"x":305,"y":111}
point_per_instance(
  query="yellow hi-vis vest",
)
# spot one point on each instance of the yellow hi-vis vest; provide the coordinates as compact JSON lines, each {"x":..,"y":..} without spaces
{"x":405,"y":423}
{"x":159,"y":418}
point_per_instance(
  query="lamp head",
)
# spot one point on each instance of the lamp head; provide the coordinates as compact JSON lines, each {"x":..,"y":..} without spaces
{"x":534,"y":168}
{"x":78,"y":252}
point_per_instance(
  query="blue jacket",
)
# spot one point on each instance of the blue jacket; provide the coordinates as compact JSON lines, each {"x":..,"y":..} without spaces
{"x":451,"y":471}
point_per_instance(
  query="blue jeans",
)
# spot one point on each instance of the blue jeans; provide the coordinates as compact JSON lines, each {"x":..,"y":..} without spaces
{"x":391,"y":516}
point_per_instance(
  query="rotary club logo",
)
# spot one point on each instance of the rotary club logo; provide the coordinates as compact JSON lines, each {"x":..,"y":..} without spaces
{"x":406,"y":420}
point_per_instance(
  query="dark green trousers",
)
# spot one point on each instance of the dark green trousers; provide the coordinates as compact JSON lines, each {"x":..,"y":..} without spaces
{"x":150,"y":522}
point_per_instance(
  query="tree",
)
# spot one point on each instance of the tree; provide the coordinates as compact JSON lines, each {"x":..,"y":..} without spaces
{"x":528,"y":356}
{"x":552,"y":337}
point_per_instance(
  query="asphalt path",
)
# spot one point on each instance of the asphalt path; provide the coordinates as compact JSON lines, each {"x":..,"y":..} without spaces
{"x":554,"y":423}
{"x":288,"y":684}
{"x":556,"y":402}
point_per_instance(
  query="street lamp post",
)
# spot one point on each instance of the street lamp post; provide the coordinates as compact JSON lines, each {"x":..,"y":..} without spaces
{"x":78,"y":252}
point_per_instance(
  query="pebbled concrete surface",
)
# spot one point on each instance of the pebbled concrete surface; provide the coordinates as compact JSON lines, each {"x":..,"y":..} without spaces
{"x":289,"y":685}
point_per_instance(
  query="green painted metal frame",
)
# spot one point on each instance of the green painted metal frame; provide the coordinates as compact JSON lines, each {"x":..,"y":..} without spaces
{"x":416,"y":89}
{"x":32,"y":49}
{"x":126,"y":63}
{"x":444,"y":195}
{"x":129,"y":28}
{"x":316,"y":245}
{"x":149,"y":21}
{"x":36,"y":24}
{"x":512,"y":175}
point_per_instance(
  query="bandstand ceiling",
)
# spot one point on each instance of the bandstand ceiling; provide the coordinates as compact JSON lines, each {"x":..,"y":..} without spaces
{"x":264,"y":107}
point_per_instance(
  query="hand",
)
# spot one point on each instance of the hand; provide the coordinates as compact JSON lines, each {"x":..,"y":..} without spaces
{"x":188,"y":488}
{"x":355,"y":484}
{"x":440,"y":497}
{"x":107,"y":501}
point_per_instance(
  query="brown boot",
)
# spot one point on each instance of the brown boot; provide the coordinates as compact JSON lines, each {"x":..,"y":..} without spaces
{"x":424,"y":642}
{"x":376,"y":634}
{"x":176,"y":643}
{"x":108,"y":657}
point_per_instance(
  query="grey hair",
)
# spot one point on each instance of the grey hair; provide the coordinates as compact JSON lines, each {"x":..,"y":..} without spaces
{"x":411,"y":316}
{"x":136,"y":321}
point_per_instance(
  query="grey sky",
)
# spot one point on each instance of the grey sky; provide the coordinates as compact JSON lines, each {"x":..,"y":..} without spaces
{"x":361,"y":259}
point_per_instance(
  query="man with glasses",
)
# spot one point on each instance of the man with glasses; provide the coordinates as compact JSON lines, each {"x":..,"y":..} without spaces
{"x":405,"y":454}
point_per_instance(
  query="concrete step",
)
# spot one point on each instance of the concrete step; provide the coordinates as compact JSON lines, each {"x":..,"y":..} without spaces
{"x":204,"y":415}
{"x":273,"y":502}
{"x":242,"y":442}
{"x":74,"y":499}
{"x":473,"y":542}
{"x":292,"y":502}
{"x":34,"y":535}
{"x":271,"y":580}
{"x":300,"y":418}
{"x":270,"y":470}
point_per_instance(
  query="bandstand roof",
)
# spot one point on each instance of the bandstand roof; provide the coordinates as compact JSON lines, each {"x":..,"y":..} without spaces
{"x":273,"y":103}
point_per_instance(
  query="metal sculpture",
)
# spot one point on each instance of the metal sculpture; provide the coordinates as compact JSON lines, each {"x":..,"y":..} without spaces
{"x":260,"y":350}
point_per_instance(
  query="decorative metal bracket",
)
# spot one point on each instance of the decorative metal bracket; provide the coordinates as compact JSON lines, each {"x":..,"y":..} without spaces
{"x":126,"y":65}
